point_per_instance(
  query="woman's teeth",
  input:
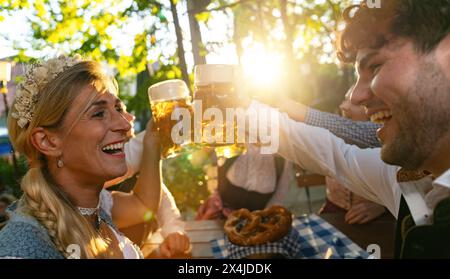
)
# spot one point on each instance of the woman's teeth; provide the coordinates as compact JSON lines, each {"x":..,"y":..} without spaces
{"x":113,"y":148}
{"x":381,"y":116}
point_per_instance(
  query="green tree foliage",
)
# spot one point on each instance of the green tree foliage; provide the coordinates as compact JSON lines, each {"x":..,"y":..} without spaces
{"x":87,"y":27}
{"x":302,"y":30}
{"x":185,"y":177}
{"x":10,"y":178}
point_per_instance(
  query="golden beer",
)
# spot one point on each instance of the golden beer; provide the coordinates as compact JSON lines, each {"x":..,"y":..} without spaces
{"x":165,"y":98}
{"x":215,"y":86}
{"x":216,"y":95}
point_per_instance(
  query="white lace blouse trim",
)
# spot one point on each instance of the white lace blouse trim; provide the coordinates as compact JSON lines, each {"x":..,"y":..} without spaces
{"x":130,"y":250}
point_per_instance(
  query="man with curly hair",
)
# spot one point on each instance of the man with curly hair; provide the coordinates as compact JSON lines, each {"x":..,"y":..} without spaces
{"x":402,"y":51}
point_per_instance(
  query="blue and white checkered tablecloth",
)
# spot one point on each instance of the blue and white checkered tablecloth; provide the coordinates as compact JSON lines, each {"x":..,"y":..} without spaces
{"x":311,"y":237}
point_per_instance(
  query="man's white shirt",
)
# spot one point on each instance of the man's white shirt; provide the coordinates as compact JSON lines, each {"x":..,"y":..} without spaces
{"x":361,"y":170}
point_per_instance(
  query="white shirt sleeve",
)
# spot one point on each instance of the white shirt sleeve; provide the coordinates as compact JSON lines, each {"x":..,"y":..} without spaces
{"x":168,"y":216}
{"x":133,"y":152}
{"x":319,"y":151}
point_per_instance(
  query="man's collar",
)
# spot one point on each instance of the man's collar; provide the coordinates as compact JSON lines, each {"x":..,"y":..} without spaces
{"x":443,"y":180}
{"x":415,"y":193}
{"x":407,"y":175}
{"x":422,"y":194}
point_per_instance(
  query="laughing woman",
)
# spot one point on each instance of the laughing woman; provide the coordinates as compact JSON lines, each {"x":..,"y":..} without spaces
{"x":69,"y":123}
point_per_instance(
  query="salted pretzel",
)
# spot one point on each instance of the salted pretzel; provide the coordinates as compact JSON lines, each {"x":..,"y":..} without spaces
{"x":247,"y":228}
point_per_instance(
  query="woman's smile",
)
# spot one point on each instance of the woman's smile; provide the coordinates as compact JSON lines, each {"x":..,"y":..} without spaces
{"x":115,"y":149}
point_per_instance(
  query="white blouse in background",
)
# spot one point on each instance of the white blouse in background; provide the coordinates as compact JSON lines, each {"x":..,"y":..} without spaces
{"x":256,"y":172}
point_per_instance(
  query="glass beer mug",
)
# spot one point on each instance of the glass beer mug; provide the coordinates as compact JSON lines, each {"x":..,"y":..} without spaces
{"x":166,"y":98}
{"x":215,"y":85}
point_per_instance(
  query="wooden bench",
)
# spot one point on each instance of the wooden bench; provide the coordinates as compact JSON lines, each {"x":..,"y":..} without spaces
{"x":307,"y":180}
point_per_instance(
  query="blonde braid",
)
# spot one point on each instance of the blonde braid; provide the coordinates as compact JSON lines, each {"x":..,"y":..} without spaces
{"x":42,"y":202}
{"x":33,"y":187}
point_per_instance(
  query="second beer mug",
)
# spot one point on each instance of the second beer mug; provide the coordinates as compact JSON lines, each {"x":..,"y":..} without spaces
{"x":165,"y":98}
{"x":216,"y":86}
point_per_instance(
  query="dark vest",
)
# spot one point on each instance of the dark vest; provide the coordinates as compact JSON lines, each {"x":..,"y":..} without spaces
{"x":236,"y":197}
{"x":426,"y":241}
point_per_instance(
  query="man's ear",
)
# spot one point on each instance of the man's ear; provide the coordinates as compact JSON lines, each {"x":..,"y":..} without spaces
{"x":47,"y":142}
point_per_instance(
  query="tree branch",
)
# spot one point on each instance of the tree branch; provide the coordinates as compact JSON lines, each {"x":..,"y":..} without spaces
{"x":220,"y":8}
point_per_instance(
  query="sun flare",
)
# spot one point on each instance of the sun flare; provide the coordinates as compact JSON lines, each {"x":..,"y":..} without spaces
{"x":261,"y":67}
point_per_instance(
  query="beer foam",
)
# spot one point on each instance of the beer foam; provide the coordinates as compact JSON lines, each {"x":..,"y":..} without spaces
{"x":213,"y":73}
{"x":168,"y":90}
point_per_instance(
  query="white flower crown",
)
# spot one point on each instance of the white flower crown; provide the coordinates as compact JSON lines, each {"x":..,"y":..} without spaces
{"x":37,"y":76}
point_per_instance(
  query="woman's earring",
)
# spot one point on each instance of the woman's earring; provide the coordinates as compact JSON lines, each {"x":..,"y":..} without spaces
{"x":60,"y":163}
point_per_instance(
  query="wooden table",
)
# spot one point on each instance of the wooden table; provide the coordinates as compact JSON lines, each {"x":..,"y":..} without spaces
{"x":199,"y":232}
{"x":380,"y":231}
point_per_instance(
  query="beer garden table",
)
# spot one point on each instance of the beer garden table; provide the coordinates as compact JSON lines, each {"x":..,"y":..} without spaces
{"x":201,"y":233}
{"x":380,"y":231}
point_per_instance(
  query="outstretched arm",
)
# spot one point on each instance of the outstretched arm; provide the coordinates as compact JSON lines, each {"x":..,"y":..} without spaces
{"x":132,"y":208}
{"x":317,"y":150}
{"x":361,"y":133}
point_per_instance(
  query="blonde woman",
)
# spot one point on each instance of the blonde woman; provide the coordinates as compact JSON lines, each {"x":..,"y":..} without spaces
{"x":176,"y":242}
{"x":67,"y":120}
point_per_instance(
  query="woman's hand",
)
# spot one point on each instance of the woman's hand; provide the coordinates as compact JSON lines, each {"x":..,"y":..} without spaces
{"x":363,"y":213}
{"x":175,"y":245}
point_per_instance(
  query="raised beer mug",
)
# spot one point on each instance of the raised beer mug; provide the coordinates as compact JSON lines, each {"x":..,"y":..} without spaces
{"x":216,"y":96}
{"x":170,"y":104}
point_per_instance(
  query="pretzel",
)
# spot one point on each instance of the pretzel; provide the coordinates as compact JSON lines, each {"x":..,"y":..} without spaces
{"x":247,"y":228}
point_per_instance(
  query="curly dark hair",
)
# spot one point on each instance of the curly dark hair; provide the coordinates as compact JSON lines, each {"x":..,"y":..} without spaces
{"x":425,"y":22}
